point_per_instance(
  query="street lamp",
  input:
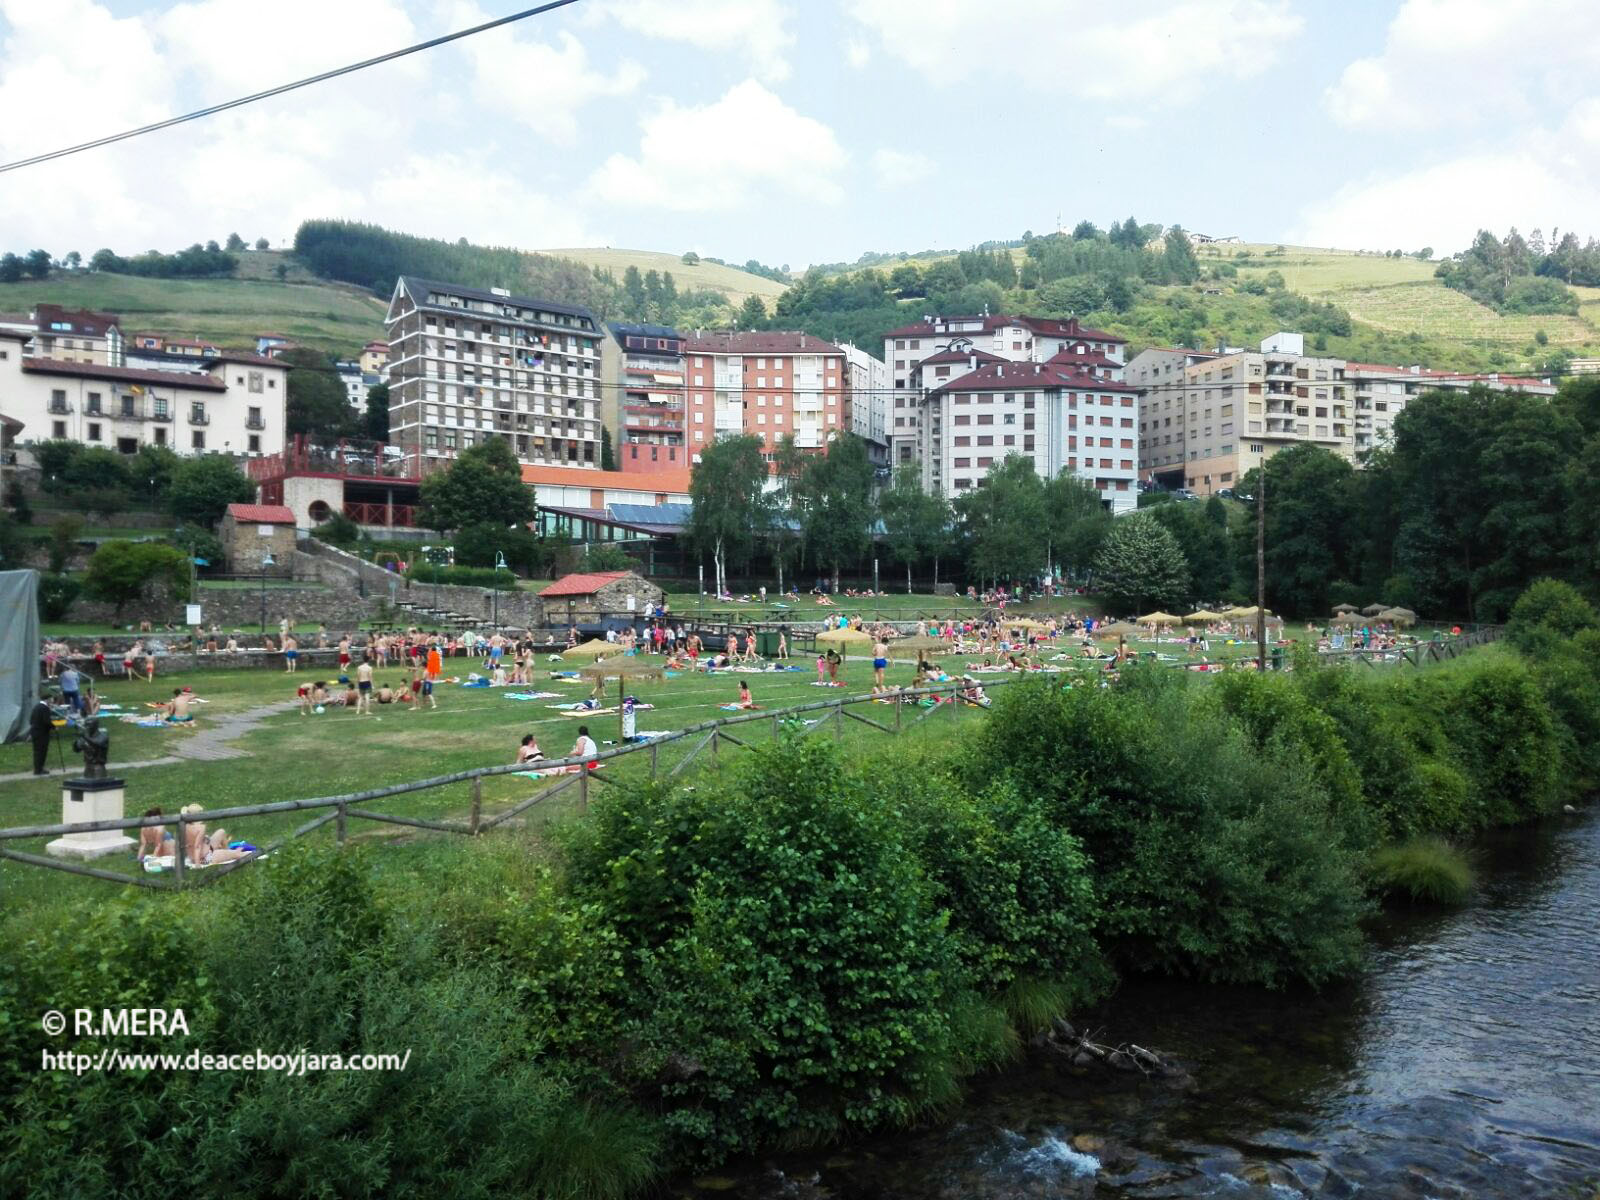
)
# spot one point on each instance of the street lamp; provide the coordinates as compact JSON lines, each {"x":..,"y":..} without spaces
{"x":266,"y":562}
{"x":499,"y":565}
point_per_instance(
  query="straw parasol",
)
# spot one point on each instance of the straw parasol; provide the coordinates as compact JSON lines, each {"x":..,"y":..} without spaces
{"x":923,"y":644}
{"x":1251,"y":613}
{"x":1025,"y":623}
{"x":1350,"y":618}
{"x":1204,"y":614}
{"x":594,"y":648}
{"x":1159,"y":618}
{"x":622,"y":670}
{"x":1398,"y":616}
{"x":844,"y":637}
{"x":1341,"y":609}
{"x":1116,"y":629}
{"x":1373,"y":610}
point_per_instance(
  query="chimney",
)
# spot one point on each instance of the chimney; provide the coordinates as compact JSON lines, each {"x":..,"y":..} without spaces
{"x":972,"y":362}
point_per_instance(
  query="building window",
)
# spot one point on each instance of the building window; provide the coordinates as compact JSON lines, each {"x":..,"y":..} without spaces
{"x":255,"y":443}
{"x":161,"y":436}
{"x":197,"y":439}
{"x":58,"y":429}
{"x":94,"y":431}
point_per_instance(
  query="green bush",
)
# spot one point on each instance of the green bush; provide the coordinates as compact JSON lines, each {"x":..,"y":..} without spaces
{"x":1569,"y":677}
{"x":64,"y":532}
{"x":1549,"y":608}
{"x":121,"y":572}
{"x":56,"y":594}
{"x":1423,"y":870}
{"x":485,"y":577}
{"x":788,"y":977}
{"x":338,"y":530}
{"x":477,"y":545}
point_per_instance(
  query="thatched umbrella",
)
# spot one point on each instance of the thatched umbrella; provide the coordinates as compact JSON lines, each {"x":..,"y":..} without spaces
{"x":1250,"y":613}
{"x":1351,"y":619}
{"x":1025,"y":623}
{"x":1341,"y":609}
{"x":1398,"y":616}
{"x":1159,"y":618}
{"x":922,"y":644}
{"x":622,"y":670}
{"x":1204,"y":614}
{"x":844,"y":638}
{"x":1373,"y":610}
{"x":1116,"y":629}
{"x":594,"y":648}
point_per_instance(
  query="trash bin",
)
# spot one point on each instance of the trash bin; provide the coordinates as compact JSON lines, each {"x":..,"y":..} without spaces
{"x":767,"y":643}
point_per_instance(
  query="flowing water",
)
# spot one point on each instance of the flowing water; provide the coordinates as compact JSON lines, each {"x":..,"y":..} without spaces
{"x":1464,"y":1063}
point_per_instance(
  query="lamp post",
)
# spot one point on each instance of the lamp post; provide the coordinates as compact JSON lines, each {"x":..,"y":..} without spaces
{"x":499,"y":564}
{"x":266,"y":562}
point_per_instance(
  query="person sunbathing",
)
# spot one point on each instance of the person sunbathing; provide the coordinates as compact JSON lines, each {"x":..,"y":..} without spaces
{"x":528,"y":751}
{"x":177,"y":709}
{"x":202,"y":849}
{"x":745,"y":699}
{"x":155,"y":841}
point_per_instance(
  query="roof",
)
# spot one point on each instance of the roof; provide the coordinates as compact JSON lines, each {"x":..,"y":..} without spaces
{"x":1004,"y":376}
{"x":82,"y":320}
{"x":377,"y":344}
{"x":261,"y":514}
{"x":959,"y":356}
{"x":1046,"y":326}
{"x":418,"y":288}
{"x":1093,"y":358}
{"x":756,"y":341}
{"x":583,"y":585}
{"x":641,"y":518}
{"x":192,"y":380}
{"x":674,"y":481}
{"x":644,"y":330}
{"x":254,"y":360}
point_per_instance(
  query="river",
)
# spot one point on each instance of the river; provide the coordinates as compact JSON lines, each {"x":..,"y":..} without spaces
{"x":1465,"y":1062}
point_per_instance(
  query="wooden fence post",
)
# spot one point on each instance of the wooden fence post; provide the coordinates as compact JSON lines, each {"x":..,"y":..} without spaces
{"x":477,"y":804}
{"x":655,"y":754}
{"x":898,"y":705}
{"x":838,"y":721}
{"x":340,"y":826}
{"x":714,"y":741}
{"x":583,"y":788}
{"x":179,"y":849}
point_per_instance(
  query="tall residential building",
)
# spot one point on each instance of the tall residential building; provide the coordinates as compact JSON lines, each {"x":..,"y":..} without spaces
{"x":467,"y":365}
{"x":870,"y":390}
{"x":232,"y":403}
{"x":1013,"y":338}
{"x":769,"y":384}
{"x":1055,"y":413}
{"x":1382,"y":392}
{"x":641,"y":369}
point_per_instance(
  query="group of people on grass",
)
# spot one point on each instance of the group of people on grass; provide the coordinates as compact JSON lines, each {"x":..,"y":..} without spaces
{"x":201,"y":848}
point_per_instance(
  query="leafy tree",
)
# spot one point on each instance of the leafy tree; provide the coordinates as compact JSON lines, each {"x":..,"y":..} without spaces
{"x":836,"y":498}
{"x":56,"y":594}
{"x":633,"y":292}
{"x":11,"y":268}
{"x":1085,"y":230}
{"x":1075,"y":522}
{"x":120,"y":572}
{"x":376,"y":423}
{"x":262,"y":244}
{"x":64,"y":533}
{"x":1001,"y":519}
{"x":906,"y":280}
{"x":281,"y":271}
{"x":915,"y":522}
{"x":73,"y":260}
{"x":196,"y":541}
{"x":608,"y":457}
{"x":37,"y":264}
{"x":1140,"y":566}
{"x":752,"y":313}
{"x":213,"y":248}
{"x":339,"y":530}
{"x":203,"y":487}
{"x":483,"y":484}
{"x":317,"y":405}
{"x":729,"y":505}
{"x":1179,"y":260}
{"x":150,"y":470}
{"x":1310,"y":499}
{"x":235,"y":242}
{"x":690,"y":258}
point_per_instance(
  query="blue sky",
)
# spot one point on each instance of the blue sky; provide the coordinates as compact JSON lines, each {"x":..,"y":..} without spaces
{"x":796,"y":131}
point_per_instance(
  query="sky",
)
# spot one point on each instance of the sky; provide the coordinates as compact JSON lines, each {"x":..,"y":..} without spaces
{"x":800,"y":131}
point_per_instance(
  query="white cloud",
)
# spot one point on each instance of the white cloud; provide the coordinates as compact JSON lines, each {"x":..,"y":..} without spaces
{"x":857,"y":53}
{"x":1445,"y":204}
{"x":756,"y":30}
{"x":901,"y":166}
{"x":1155,"y":52}
{"x":718,"y":157}
{"x":1467,"y":62}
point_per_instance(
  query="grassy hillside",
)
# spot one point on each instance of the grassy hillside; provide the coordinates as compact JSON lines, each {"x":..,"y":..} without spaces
{"x":734,"y":282}
{"x":230,"y":311}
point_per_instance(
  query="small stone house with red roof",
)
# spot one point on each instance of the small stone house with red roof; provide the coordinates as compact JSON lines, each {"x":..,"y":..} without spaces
{"x":593,"y":596}
{"x":249,"y":532}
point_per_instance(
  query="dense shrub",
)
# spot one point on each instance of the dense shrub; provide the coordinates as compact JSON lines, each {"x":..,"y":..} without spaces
{"x":1549,"y":609}
{"x":486,"y":577}
{"x":1211,"y":858}
{"x":56,"y":594}
{"x":1423,"y":870}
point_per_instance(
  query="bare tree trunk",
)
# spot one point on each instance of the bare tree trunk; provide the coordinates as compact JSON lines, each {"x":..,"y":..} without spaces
{"x":908,"y":577}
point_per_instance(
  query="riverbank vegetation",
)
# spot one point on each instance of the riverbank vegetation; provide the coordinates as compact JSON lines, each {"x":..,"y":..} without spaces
{"x":794,"y":949}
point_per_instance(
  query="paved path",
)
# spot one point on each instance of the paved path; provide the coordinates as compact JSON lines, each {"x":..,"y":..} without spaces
{"x":209,"y":743}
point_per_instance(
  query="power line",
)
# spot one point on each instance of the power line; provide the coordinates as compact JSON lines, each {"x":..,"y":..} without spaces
{"x":282,"y":88}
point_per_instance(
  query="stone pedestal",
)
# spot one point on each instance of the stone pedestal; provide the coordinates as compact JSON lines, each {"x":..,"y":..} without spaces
{"x":84,"y":801}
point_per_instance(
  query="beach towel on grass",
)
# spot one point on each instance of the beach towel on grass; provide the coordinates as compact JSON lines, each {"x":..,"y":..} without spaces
{"x":530,"y":695}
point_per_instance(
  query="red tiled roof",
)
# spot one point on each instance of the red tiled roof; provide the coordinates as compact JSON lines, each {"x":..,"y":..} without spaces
{"x":82,"y":320}
{"x":255,"y":360}
{"x":261,"y":514}
{"x":672,"y":481}
{"x":1046,"y":326}
{"x":1021,"y":377}
{"x":757,"y":341}
{"x":583,"y":585}
{"x":191,"y":380}
{"x":952,"y":356}
{"x":1071,"y":358}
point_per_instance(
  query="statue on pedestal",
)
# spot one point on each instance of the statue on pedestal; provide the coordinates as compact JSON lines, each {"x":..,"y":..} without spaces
{"x":94,"y":744}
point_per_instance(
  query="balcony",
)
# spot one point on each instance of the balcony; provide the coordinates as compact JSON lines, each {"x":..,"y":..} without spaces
{"x":59,"y":408}
{"x":255,"y":423}
{"x":199,"y":418}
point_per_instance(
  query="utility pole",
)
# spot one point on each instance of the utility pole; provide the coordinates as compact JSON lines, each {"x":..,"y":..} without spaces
{"x":1261,"y":567}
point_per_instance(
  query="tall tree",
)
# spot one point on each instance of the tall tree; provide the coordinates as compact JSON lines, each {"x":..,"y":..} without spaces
{"x":1178,"y":257}
{"x":1001,"y":519}
{"x":608,"y":456}
{"x":1075,"y":521}
{"x":483,"y":484}
{"x":203,"y":487}
{"x":37,"y":264}
{"x":1310,"y":519}
{"x":752,"y":313}
{"x":836,"y":497}
{"x":317,"y":404}
{"x":633,"y":292}
{"x":726,"y":490}
{"x":1141,"y":567}
{"x":376,"y":423}
{"x":914,"y":521}
{"x":234,"y":242}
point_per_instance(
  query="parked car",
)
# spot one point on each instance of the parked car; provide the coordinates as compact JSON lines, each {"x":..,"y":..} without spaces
{"x":1225,"y":493}
{"x":1184,"y":494}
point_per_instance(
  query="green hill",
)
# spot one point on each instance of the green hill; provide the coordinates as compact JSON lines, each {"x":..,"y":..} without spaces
{"x":734,"y":282}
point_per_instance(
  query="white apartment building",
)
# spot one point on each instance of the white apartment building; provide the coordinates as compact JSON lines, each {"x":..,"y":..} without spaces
{"x":870,"y":390}
{"x":1054,"y":413}
{"x":769,"y":384}
{"x":466,"y":365}
{"x":1012,"y":338}
{"x":233,"y":404}
{"x":1381,"y":393}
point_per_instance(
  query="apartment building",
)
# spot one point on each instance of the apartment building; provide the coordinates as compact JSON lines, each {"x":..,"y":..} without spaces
{"x":156,"y":352}
{"x":75,"y":335}
{"x":768,"y":384}
{"x":870,"y":389}
{"x":1011,"y":338}
{"x":374,"y":359}
{"x":466,"y":365}
{"x":233,"y":404}
{"x":1055,"y":413}
{"x":642,"y":381}
{"x":1221,"y":416}
{"x":1381,"y":393}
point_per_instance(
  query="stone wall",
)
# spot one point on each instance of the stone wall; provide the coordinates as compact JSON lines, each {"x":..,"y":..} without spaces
{"x":610,"y":601}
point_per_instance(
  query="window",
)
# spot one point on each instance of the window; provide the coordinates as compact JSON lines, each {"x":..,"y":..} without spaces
{"x":161,"y":436}
{"x":197,"y":439}
{"x":58,"y":400}
{"x":963,"y":440}
{"x":59,"y":429}
{"x":93,"y":403}
{"x":963,"y":462}
{"x":255,"y":443}
{"x":94,"y":431}
{"x":127,"y":406}
{"x":253,"y":421}
{"x":986,"y":439}
{"x":1256,"y":448}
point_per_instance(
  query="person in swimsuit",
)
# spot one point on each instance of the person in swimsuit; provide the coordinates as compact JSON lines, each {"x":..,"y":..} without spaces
{"x":364,"y":686}
{"x":291,"y":655}
{"x":880,"y":660}
{"x":154,"y":840}
{"x":745,"y":699}
{"x":585,"y":748}
{"x":344,"y":655}
{"x":529,"y":751}
{"x":177,"y":709}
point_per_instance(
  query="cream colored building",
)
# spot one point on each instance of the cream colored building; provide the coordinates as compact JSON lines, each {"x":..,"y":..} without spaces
{"x":232,"y":403}
{"x":467,"y":365}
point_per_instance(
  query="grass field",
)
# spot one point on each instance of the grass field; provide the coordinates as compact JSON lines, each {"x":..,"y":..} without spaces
{"x":232,"y":312}
{"x":735,"y":283}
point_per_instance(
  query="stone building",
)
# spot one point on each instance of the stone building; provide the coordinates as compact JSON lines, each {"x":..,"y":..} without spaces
{"x":250,"y":531}
{"x":576,"y":599}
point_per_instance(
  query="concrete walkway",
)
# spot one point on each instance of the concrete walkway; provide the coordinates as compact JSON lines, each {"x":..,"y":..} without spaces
{"x":208,"y":743}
